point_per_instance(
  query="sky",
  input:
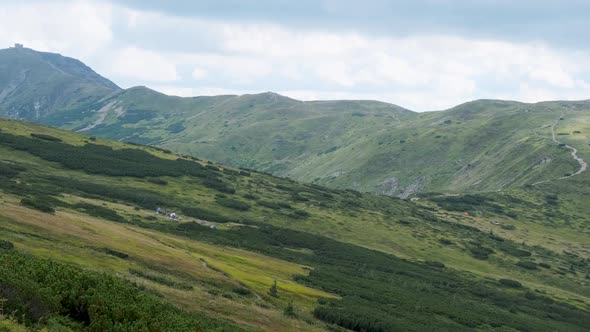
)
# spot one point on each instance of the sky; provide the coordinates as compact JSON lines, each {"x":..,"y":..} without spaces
{"x":424,"y":55}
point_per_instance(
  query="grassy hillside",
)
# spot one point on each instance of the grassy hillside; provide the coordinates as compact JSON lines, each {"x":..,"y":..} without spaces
{"x":367,"y":146}
{"x":483,"y":145}
{"x":514,"y":260}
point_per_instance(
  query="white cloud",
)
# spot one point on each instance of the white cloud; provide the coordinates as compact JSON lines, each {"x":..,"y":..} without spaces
{"x":75,"y":28}
{"x":199,"y":73}
{"x":140,"y":64}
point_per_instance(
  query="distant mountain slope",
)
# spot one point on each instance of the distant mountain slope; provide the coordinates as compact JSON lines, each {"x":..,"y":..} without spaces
{"x":369,"y":146}
{"x":484,"y":145}
{"x":34,"y":85}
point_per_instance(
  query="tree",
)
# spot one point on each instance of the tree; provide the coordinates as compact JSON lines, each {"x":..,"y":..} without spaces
{"x":289,"y":310}
{"x":274,"y":291}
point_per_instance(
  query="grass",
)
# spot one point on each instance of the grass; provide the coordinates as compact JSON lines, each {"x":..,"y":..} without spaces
{"x":71,"y":238}
{"x":411,"y":230}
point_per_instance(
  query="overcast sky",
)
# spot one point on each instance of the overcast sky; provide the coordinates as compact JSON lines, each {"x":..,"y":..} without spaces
{"x":421,"y":54}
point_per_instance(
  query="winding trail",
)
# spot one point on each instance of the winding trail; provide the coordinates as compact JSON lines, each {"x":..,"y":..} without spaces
{"x":574,"y":153}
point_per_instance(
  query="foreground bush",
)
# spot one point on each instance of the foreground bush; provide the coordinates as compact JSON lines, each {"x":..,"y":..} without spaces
{"x":39,"y":290}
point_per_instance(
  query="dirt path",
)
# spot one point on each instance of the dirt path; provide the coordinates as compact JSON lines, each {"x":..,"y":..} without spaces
{"x":574,"y":153}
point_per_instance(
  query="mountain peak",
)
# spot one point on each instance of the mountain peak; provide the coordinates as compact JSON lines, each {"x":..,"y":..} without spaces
{"x":34,"y":84}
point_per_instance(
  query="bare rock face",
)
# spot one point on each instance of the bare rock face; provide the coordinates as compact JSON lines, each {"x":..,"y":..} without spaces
{"x":413,"y":188}
{"x":389,"y":186}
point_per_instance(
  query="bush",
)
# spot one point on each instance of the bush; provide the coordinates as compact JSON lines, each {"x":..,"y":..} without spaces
{"x":508,"y":227}
{"x":445,"y":242}
{"x":527,"y":265}
{"x":115,"y":253}
{"x":158,"y":181}
{"x":229,"y":171}
{"x":242,"y":291}
{"x":46,"y":137}
{"x":215,"y":183}
{"x":98,"y":211}
{"x":544,"y":265}
{"x":299,"y":214}
{"x":233,"y":204}
{"x":10,"y":170}
{"x":38,"y":288}
{"x":510,"y":283}
{"x":289,"y":310}
{"x":269,"y":204}
{"x":101,"y":159}
{"x":250,"y":196}
{"x":481,"y":252}
{"x":435,"y":264}
{"x":37,"y":204}
{"x":274,"y":290}
{"x":6,"y":245}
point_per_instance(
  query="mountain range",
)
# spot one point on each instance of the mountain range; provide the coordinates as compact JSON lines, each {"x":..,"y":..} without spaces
{"x":121,"y":209}
{"x":482,"y":145}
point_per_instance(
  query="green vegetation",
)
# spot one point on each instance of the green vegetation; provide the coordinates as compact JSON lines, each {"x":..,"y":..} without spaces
{"x":39,"y":291}
{"x":378,"y":263}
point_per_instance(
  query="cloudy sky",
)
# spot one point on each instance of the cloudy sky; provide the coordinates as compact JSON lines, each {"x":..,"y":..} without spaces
{"x":421,"y":54}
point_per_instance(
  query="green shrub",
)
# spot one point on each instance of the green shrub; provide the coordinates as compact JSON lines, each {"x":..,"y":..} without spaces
{"x":274,"y":290}
{"x":289,"y":310}
{"x":233,"y":204}
{"x":219,"y":185}
{"x":115,"y":253}
{"x":508,"y":227}
{"x":37,"y":204}
{"x":38,"y":289}
{"x":101,"y":159}
{"x":230,"y":171}
{"x":250,"y":196}
{"x":269,"y":204}
{"x":158,"y":181}
{"x":445,"y":242}
{"x":299,"y":214}
{"x":527,"y":265}
{"x":510,"y":283}
{"x":242,"y":291}
{"x":213,"y":168}
{"x":6,"y":245}
{"x":481,"y":252}
{"x":46,"y":137}
{"x":98,"y":211}
{"x":8,"y":170}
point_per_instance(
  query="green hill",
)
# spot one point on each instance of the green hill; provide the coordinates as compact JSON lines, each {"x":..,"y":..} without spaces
{"x":484,"y":145}
{"x":81,"y":247}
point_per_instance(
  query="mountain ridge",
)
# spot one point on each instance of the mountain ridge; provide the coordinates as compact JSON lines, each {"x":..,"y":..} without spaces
{"x":480,"y":145}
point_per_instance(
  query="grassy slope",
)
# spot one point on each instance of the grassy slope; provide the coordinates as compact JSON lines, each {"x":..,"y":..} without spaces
{"x":384,"y":224}
{"x":368,"y":146}
{"x":365,"y":145}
